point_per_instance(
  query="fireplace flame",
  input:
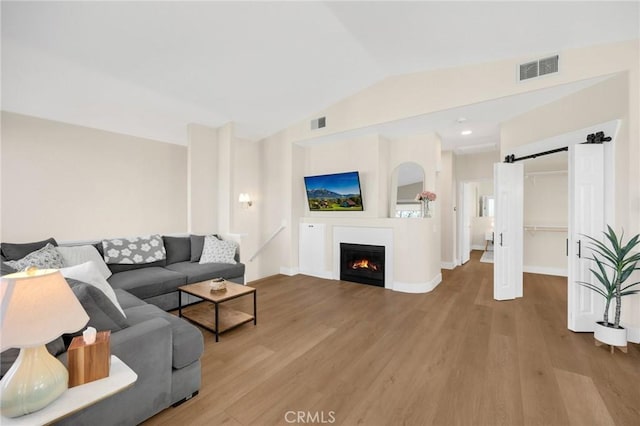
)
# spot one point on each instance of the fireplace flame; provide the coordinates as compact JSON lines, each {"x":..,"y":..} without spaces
{"x":364,"y":264}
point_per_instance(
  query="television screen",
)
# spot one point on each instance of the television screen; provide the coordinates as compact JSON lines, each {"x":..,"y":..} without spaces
{"x":335,"y":192}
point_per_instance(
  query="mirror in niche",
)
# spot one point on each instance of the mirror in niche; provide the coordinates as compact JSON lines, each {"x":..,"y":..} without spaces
{"x":485,"y":199}
{"x":407,"y":180}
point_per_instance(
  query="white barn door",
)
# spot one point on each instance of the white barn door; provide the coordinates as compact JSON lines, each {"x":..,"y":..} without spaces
{"x":586,"y":217}
{"x":509,"y":229}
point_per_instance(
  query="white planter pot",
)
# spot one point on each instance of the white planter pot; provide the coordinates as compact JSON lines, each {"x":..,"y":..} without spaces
{"x":610,"y":336}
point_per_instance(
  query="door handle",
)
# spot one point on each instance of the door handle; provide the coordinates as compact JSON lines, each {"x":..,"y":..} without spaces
{"x":567,"y":246}
{"x":579,"y":248}
{"x":501,"y":239}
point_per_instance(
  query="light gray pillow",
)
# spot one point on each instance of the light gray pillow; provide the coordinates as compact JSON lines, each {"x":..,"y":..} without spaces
{"x":89,"y":273}
{"x":218,"y":251}
{"x":135,"y":250}
{"x":45,"y":258}
{"x":76,"y":255}
{"x":103,"y":315}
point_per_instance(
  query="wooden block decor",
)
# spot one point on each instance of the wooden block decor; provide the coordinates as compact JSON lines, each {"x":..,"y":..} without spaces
{"x":89,"y":362}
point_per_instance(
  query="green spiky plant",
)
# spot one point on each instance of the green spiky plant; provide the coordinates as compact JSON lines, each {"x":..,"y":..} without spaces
{"x":615,"y":263}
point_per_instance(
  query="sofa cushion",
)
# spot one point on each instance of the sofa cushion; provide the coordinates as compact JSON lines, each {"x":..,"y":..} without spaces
{"x":103,"y":315}
{"x":126,"y":299}
{"x":76,"y":255}
{"x":15,"y":251}
{"x":187,"y":339}
{"x":89,"y":272}
{"x":134,"y":250}
{"x":46,"y":257}
{"x":197,"y":243}
{"x":178,"y":249}
{"x":148,"y":282}
{"x":197,"y":272}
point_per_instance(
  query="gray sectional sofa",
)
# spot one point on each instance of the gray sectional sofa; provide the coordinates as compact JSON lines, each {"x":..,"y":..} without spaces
{"x":157,"y":283}
{"x":161,"y":348}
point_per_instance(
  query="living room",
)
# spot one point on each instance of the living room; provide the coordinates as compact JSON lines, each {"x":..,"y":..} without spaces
{"x":115,"y":124}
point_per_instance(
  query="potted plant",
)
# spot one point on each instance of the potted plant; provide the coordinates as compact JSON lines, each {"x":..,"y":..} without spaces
{"x":615,"y":263}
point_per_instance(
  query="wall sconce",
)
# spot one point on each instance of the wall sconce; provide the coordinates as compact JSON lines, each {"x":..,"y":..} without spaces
{"x":245,"y":200}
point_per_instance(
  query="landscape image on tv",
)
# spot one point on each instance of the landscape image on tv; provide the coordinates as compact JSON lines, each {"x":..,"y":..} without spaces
{"x":335,"y":192}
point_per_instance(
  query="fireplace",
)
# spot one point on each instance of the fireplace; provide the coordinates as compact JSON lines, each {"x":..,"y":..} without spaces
{"x":362,"y":263}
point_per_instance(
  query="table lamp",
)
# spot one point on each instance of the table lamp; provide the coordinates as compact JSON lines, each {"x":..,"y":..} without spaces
{"x":36,"y":307}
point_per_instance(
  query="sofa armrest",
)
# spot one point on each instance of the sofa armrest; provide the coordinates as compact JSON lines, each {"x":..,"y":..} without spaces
{"x":146,"y":348}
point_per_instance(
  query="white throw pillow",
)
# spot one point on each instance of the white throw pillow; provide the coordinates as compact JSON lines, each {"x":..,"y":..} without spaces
{"x":218,"y":251}
{"x":89,"y":273}
{"x":77,"y":255}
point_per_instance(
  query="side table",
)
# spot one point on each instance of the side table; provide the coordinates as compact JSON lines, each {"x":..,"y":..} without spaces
{"x":79,"y":397}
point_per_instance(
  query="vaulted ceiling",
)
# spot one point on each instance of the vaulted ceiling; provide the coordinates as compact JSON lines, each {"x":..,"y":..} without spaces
{"x":149,"y":68}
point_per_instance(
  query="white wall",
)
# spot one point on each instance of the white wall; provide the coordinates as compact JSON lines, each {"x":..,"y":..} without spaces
{"x":221,"y":166}
{"x":447,"y":193}
{"x":202,"y":179}
{"x":546,"y":199}
{"x":77,"y":183}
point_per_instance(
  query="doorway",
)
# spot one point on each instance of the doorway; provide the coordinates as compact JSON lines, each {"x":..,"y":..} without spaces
{"x":475,"y":223}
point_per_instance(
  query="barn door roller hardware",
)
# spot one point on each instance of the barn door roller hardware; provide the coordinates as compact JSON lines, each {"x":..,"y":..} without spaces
{"x":592,"y":138}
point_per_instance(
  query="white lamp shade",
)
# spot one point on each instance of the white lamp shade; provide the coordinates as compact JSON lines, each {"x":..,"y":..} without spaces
{"x":37,"y":307}
{"x":244,"y":198}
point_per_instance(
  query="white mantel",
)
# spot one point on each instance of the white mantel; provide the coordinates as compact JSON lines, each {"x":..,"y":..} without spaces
{"x":412,"y":249}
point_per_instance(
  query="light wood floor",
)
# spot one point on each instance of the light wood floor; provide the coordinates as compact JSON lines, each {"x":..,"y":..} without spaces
{"x":377,"y":357}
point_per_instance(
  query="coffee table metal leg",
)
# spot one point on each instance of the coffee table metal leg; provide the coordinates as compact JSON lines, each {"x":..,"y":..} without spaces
{"x":255,"y":311}
{"x":217,"y":323}
{"x":179,"y":303}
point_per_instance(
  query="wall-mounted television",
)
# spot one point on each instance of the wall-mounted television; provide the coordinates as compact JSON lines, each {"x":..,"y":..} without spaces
{"x":334,"y":192}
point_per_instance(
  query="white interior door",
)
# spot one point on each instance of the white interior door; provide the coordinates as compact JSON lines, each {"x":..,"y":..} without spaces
{"x":509,"y":228}
{"x":586,"y":217}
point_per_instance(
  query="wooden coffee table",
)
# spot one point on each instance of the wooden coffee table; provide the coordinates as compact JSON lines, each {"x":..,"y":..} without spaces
{"x":213,"y":316}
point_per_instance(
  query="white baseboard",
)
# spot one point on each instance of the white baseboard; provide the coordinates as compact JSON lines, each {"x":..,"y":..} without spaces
{"x":327,"y":275}
{"x":558,"y":272}
{"x":448,"y":265}
{"x":477,"y":247}
{"x":633,"y":333}
{"x":418,"y":287}
{"x":289,"y":271}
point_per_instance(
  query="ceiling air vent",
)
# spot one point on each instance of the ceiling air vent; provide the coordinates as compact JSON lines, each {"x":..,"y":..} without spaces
{"x":538,"y":68}
{"x":318,"y":123}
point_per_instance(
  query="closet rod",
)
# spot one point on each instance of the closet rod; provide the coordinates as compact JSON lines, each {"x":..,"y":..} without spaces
{"x":598,"y":137}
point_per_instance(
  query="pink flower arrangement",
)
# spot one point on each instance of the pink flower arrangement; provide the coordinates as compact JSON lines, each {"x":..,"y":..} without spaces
{"x":426,"y":196}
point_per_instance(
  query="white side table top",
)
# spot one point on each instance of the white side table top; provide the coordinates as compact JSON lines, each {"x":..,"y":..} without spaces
{"x":79,"y":397}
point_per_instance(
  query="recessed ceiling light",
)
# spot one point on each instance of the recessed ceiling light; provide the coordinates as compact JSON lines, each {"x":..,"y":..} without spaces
{"x":466,"y":132}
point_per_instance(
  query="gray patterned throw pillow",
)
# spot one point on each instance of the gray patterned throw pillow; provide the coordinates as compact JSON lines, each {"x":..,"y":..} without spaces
{"x":218,"y":251}
{"x":136,"y":250}
{"x":45,"y":258}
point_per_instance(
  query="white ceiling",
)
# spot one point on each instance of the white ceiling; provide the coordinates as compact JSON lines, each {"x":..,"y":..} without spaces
{"x":149,"y":68}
